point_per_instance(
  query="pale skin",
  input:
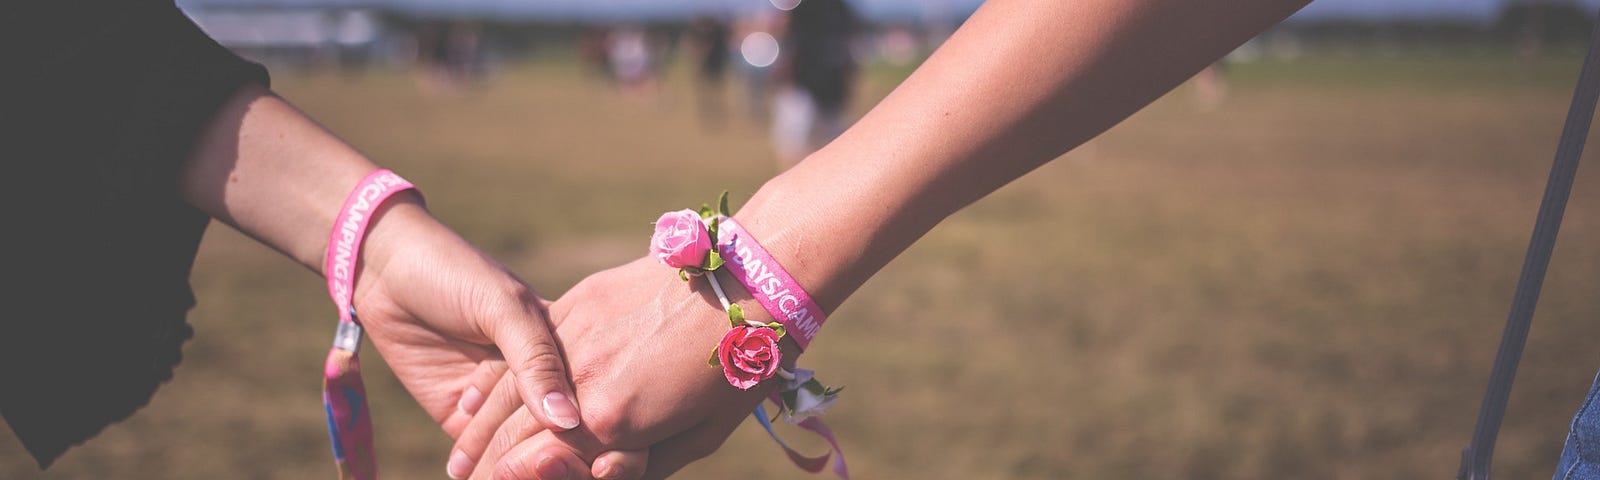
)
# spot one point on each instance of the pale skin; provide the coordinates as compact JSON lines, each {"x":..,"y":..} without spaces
{"x":435,"y":307}
{"x":1019,"y":84}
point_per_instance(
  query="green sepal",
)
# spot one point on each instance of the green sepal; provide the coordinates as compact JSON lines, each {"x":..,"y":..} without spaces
{"x":779,"y":327}
{"x":713,"y":361}
{"x":735,"y":314}
{"x":722,"y":203}
{"x":790,"y":398}
{"x":713,"y":260}
{"x":817,"y":388}
{"x":711,"y":232}
{"x":683,"y":275}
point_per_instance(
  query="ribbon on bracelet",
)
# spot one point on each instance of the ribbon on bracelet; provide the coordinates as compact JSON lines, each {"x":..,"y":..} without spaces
{"x":809,"y":464}
{"x":344,"y":399}
{"x":344,"y":395}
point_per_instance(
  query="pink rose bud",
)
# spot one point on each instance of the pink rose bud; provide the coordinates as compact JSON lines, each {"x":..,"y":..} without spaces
{"x":748,"y":355}
{"x":680,"y":240}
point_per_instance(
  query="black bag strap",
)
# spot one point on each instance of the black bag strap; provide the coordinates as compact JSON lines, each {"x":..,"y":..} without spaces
{"x":1475,"y":458}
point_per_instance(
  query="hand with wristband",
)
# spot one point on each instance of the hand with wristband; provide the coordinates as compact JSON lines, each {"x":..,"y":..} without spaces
{"x":677,"y":322}
{"x":133,"y":130}
{"x":440,"y":311}
{"x":1019,"y":84}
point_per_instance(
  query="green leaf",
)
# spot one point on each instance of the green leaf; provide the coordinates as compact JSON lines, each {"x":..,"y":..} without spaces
{"x":779,"y":327}
{"x":711,"y":231}
{"x":735,"y":314}
{"x":683,"y":275}
{"x":713,"y":260}
{"x":790,"y":398}
{"x":713,"y":361}
{"x":722,"y":203}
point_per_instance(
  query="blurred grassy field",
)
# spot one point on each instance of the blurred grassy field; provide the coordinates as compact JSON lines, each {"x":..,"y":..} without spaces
{"x":1307,"y":281}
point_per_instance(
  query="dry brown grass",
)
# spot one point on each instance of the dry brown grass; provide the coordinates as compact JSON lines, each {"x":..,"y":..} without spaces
{"x":1306,"y":283}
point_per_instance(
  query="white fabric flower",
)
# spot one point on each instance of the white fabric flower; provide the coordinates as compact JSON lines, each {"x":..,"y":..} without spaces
{"x":810,"y":400}
{"x":801,"y":376}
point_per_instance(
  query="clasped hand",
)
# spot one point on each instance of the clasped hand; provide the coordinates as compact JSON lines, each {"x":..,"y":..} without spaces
{"x":632,"y":340}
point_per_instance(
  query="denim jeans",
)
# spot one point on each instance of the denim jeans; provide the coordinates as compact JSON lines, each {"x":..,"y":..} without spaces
{"x":1580,"y":459}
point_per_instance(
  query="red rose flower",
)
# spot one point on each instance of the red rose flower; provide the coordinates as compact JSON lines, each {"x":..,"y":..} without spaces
{"x":749,"y":355}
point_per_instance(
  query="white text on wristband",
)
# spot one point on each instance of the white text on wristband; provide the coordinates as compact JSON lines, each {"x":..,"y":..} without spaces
{"x":350,"y":227}
{"x":769,"y":283}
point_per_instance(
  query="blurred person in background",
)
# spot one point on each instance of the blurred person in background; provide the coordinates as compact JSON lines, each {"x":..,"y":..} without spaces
{"x":634,"y":59}
{"x":708,"y":47}
{"x":450,"y":55}
{"x":593,"y":52}
{"x":816,"y":75}
{"x":756,"y":33}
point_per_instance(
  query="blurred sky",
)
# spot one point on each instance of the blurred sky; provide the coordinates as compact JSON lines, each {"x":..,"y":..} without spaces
{"x":1466,"y":10}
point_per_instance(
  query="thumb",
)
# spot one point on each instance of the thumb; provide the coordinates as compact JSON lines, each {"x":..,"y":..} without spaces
{"x":525,"y":338}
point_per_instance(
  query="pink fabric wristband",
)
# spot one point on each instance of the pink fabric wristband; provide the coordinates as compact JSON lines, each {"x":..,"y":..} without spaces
{"x":344,"y":395}
{"x":349,"y":228}
{"x":768,"y":282}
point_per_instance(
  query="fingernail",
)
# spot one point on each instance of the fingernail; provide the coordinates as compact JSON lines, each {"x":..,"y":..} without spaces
{"x":561,"y":410}
{"x":460,"y":466}
{"x":610,"y":472}
{"x":471,"y":400}
{"x":551,"y":468}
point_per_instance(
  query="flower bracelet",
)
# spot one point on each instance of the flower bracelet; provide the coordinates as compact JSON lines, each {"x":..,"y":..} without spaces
{"x":748,"y":353}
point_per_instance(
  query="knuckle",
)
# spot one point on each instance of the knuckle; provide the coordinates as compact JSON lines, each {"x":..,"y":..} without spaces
{"x":502,"y":443}
{"x":511,"y":433}
{"x":631,"y":468}
{"x":545,"y":363}
{"x":513,"y":468}
{"x":505,"y":291}
{"x":613,"y":422}
{"x":613,"y":430}
{"x":589,"y":373}
{"x":518,"y":292}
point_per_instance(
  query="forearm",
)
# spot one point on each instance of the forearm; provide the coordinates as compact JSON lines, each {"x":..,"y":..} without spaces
{"x":268,"y":170}
{"x":1019,"y":84}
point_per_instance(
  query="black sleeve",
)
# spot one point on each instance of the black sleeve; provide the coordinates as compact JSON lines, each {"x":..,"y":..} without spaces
{"x":100,"y":106}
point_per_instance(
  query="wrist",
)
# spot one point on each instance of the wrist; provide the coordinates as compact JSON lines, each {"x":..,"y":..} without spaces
{"x":828,"y":235}
{"x":397,"y":226}
{"x":791,"y":234}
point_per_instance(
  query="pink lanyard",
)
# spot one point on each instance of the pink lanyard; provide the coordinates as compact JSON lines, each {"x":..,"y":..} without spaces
{"x":344,"y":396}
